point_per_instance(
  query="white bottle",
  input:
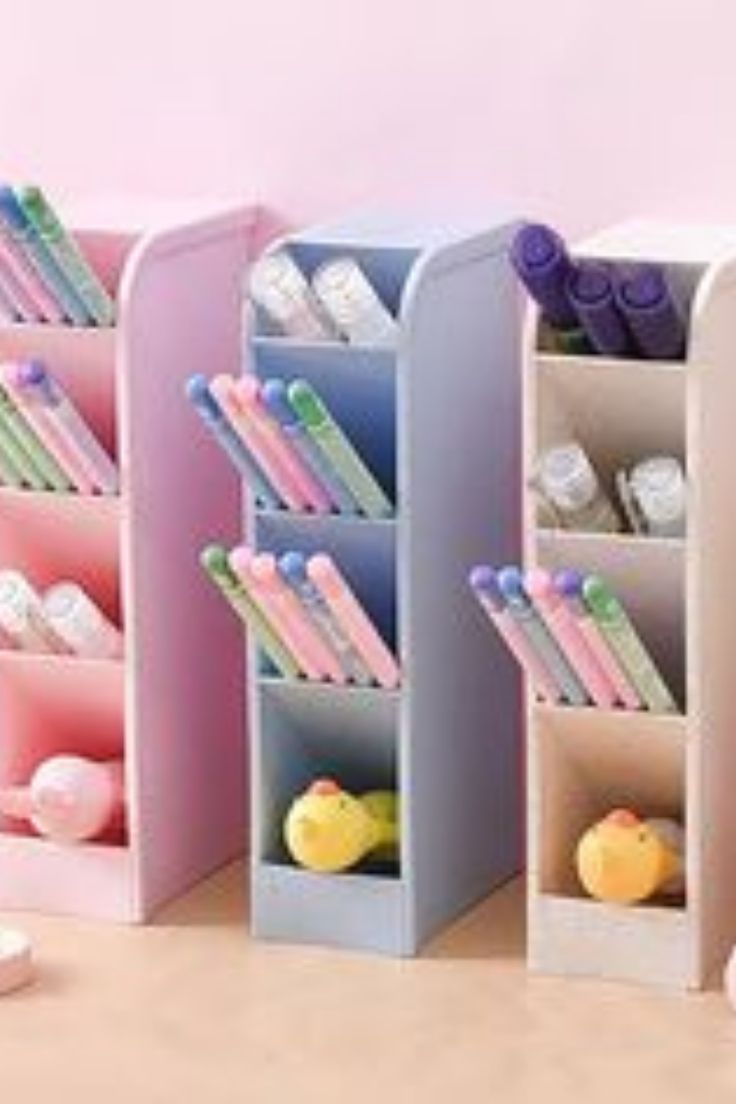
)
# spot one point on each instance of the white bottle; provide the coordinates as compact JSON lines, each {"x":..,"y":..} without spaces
{"x":80,"y":623}
{"x":567,"y":480}
{"x":658,"y":487}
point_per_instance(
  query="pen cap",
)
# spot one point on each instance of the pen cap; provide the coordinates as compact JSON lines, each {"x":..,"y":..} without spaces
{"x":659,"y":486}
{"x":568,"y":583}
{"x":33,"y":200}
{"x":293,"y":566}
{"x":32,"y":376}
{"x":649,"y":308}
{"x":198,"y":392}
{"x":538,"y":583}
{"x":18,"y":602}
{"x":80,"y":623}
{"x":541,"y":261}
{"x":590,"y":288}
{"x":352,"y":302}
{"x":511,"y":584}
{"x":600,"y":599}
{"x":276,"y":401}
{"x":307,"y":404}
{"x":10,"y":208}
{"x":482,"y":579}
{"x":567,"y":477}
{"x":279,"y":287}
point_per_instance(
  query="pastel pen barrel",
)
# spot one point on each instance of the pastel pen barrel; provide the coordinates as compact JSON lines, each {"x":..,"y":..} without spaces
{"x":248,"y":392}
{"x":9,"y":473}
{"x":591,"y":292}
{"x":28,"y":473}
{"x":541,"y":261}
{"x":198,"y":393}
{"x":67,"y":255}
{"x":63,"y":430}
{"x":569,"y":585}
{"x":276,"y":401}
{"x":293,"y":568}
{"x":511,"y":585}
{"x":214,"y":560}
{"x":38,"y":468}
{"x":566,"y":631}
{"x":222,"y":387}
{"x":264,"y":568}
{"x":241,"y":560}
{"x":647,"y":305}
{"x":13,"y":303}
{"x":483,"y":582}
{"x":325,"y":575}
{"x":37,"y":302}
{"x":26,"y":236}
{"x":338,"y":450}
{"x":624,"y":639}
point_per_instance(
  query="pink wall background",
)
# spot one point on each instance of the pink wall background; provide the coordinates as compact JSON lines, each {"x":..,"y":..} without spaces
{"x":580,"y":111}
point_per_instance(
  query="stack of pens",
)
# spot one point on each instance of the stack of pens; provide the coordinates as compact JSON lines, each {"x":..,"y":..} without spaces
{"x":45,"y":443}
{"x":304,"y":615}
{"x":338,"y":303}
{"x":44,"y":276}
{"x":63,"y":620}
{"x":287,"y":446}
{"x":572,"y":637}
{"x":613,"y":310}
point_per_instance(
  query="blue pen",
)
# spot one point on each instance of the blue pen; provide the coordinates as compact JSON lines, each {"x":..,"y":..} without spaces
{"x":25,"y":235}
{"x":293,"y":568}
{"x":275,"y":398}
{"x":206,"y":406}
{"x":521,"y":608}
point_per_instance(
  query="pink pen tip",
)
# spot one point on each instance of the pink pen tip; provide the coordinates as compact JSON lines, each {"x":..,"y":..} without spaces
{"x":240,"y":559}
{"x":263,"y":567}
{"x":538,"y":582}
{"x":247,"y":390}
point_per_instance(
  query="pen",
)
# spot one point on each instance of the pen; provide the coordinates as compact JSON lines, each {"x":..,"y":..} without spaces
{"x":9,"y":473}
{"x":541,"y":261}
{"x":33,"y":298}
{"x":277,"y":403}
{"x":279,"y":287}
{"x":14,"y":306}
{"x":67,"y":255}
{"x":569,"y":585}
{"x":559,"y":620}
{"x":241,"y":561}
{"x":293,"y":567}
{"x":214,"y":560}
{"x":353,"y":303}
{"x":247,"y":394}
{"x":650,"y":312}
{"x":21,"y":618}
{"x":511,"y":585}
{"x":25,"y":235}
{"x":264,"y":569}
{"x":483,"y":582}
{"x":61,"y":428}
{"x":338,"y":450}
{"x":323,"y":572}
{"x":621,"y":635}
{"x":206,"y":405}
{"x":591,"y":293}
{"x":80,"y":623}
{"x":38,"y":467}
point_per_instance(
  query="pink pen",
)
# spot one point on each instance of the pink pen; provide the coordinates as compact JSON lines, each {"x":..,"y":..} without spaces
{"x":561,"y":622}
{"x":264,"y":569}
{"x":39,"y":302}
{"x":569,"y":585}
{"x":352,"y":618}
{"x":483,"y":582}
{"x":222,"y":388}
{"x":248,"y":394}
{"x":47,"y":431}
{"x":241,"y":560}
{"x":15,"y":305}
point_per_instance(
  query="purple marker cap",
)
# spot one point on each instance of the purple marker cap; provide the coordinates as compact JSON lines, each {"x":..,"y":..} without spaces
{"x":33,"y":375}
{"x":483,"y":580}
{"x":568,"y":583}
{"x":541,"y":262}
{"x":590,"y":289}
{"x":650,"y":312}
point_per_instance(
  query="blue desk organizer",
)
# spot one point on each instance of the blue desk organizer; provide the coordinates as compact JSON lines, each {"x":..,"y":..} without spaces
{"x":437,"y":421}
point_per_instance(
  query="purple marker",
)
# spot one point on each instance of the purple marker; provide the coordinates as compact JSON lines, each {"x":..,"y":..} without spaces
{"x":590,"y":289}
{"x":542,"y":264}
{"x":650,"y":312}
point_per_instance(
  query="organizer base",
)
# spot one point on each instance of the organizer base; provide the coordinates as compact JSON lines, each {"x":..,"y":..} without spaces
{"x":356,"y":912}
{"x":584,"y":938}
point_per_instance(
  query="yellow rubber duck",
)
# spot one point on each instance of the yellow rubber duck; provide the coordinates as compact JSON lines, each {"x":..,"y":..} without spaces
{"x":624,"y":860}
{"x":328,"y":830}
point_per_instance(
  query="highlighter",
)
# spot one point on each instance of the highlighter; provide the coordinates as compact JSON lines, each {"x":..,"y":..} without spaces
{"x":34,"y":301}
{"x":541,"y":262}
{"x":214,"y":560}
{"x":622,"y":637}
{"x":647,"y":305}
{"x":26,"y":236}
{"x":293,"y":568}
{"x":277,"y":404}
{"x":67,"y":255}
{"x":338,"y":450}
{"x":511,"y":586}
{"x":591,"y":292}
{"x":484,"y":584}
{"x":198,"y":393}
{"x":39,"y":468}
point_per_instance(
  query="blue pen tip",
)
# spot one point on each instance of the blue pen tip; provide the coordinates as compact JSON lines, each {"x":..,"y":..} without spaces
{"x":198,"y":393}
{"x":511,"y":582}
{"x":293,"y":566}
{"x":483,"y":578}
{"x":275,"y":397}
{"x":11,"y":208}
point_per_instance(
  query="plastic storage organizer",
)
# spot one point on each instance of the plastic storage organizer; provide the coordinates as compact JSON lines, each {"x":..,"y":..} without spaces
{"x":435,"y":419}
{"x":172,"y":705}
{"x":584,"y":762}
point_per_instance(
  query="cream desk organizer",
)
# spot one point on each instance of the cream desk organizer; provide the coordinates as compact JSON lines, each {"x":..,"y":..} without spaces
{"x":584,"y":762}
{"x":172,"y":706}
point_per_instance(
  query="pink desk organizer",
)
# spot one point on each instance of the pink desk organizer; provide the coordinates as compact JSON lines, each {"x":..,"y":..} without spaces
{"x":174,"y":705}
